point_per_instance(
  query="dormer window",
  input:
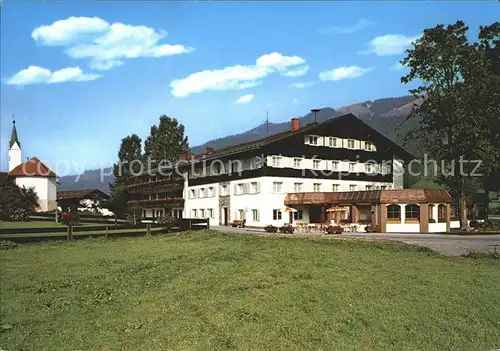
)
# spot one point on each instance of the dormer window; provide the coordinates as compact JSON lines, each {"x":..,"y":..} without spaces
{"x":312,"y":140}
{"x":332,"y":142}
{"x":369,"y":146}
{"x":350,"y":144}
{"x":276,"y":161}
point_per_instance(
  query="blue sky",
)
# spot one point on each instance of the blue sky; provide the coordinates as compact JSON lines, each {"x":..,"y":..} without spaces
{"x":80,"y":76}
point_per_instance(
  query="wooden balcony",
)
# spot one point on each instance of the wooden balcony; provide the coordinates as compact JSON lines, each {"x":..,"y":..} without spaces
{"x":164,"y":202}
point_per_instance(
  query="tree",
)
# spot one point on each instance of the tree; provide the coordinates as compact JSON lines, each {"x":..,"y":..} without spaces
{"x":129,"y":159}
{"x":16,"y":203}
{"x":129,"y":164}
{"x":453,"y":123}
{"x":166,"y":141}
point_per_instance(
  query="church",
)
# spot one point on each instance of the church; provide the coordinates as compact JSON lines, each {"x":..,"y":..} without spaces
{"x":32,"y":174}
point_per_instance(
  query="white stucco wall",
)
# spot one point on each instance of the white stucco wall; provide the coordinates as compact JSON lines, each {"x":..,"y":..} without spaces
{"x":398,"y":174}
{"x":403,"y":228}
{"x":14,"y":156}
{"x":46,"y":189}
{"x":437,"y":227}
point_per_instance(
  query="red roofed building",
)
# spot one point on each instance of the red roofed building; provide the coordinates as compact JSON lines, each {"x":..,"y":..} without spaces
{"x":32,"y":174}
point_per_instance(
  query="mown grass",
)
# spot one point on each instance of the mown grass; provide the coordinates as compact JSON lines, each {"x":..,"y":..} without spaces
{"x":206,"y":290}
{"x":31,"y":224}
{"x":111,"y":230}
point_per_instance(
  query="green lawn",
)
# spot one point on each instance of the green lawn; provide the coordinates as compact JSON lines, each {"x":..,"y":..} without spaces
{"x":31,"y":224}
{"x":207,"y":290}
{"x":99,"y":232}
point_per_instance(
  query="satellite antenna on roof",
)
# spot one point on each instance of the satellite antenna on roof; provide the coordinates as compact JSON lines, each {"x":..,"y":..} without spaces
{"x":315,"y":110}
{"x":267,"y":123}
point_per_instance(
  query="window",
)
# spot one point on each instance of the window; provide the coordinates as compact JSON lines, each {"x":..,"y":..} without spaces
{"x":211,"y":191}
{"x":369,"y":187}
{"x":352,"y":166}
{"x":255,"y":215}
{"x":297,"y":215}
{"x":277,"y":187}
{"x":239,"y":189}
{"x":370,"y":168}
{"x":350,"y":144}
{"x":216,"y":167}
{"x":335,"y":165}
{"x":254,"y":188}
{"x":276,"y":215}
{"x":195,"y":213}
{"x":202,"y":213}
{"x":352,"y":187}
{"x":454,"y":212}
{"x":317,"y":187}
{"x":441,"y":213}
{"x":412,"y":212}
{"x":223,"y":190}
{"x":335,"y":187}
{"x":297,"y":187}
{"x":192,"y":193}
{"x":143,"y":213}
{"x":235,"y":166}
{"x":202,"y":193}
{"x":369,"y":146}
{"x":210,"y":212}
{"x":394,"y":212}
{"x":383,"y":187}
{"x":332,"y":142}
{"x":316,"y":164}
{"x":297,"y":163}
{"x":241,"y":214}
{"x":312,"y":140}
{"x":276,"y":161}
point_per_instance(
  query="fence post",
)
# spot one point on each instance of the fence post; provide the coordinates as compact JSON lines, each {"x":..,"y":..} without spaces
{"x":148,"y":229}
{"x":106,"y":232}
{"x":70,"y":232}
{"x":208,"y":223}
{"x":190,"y":224}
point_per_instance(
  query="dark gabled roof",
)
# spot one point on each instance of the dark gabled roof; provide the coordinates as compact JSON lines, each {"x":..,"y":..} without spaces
{"x":405,"y":196}
{"x":252,"y":145}
{"x":32,"y":168}
{"x":79,"y":194}
{"x":13,"y":137}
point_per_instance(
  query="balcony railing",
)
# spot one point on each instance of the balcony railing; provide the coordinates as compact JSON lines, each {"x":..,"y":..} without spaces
{"x":156,"y":202}
{"x":157,"y":182}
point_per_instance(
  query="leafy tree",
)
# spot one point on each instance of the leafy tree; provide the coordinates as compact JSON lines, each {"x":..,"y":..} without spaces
{"x":129,"y":164}
{"x":455,"y":86}
{"x":16,"y":203}
{"x":129,"y":159}
{"x":166,"y":141}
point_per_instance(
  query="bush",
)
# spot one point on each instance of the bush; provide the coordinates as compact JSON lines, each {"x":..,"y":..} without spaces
{"x":372,"y":229}
{"x":167,"y":222}
{"x":345,"y":221}
{"x":271,"y":228}
{"x":432,"y":220}
{"x":475,"y":224}
{"x":334,"y":229}
{"x":7,"y":244}
{"x":364,"y":222}
{"x":287,"y":228}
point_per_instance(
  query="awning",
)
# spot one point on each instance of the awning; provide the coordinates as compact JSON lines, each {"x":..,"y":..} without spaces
{"x":289,"y":209}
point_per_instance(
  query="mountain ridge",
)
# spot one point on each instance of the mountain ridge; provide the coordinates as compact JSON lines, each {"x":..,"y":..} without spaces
{"x":386,"y":115}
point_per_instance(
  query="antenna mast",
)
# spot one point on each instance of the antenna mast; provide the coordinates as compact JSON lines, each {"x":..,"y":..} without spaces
{"x":267,"y":123}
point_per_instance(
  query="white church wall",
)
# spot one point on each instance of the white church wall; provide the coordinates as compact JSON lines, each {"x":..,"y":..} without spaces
{"x":46,"y":189}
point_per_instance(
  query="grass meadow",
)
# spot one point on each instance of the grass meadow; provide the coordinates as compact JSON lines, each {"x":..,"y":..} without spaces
{"x":207,"y":290}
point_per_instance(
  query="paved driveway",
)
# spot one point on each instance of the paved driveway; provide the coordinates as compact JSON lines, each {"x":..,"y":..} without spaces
{"x":443,"y":243}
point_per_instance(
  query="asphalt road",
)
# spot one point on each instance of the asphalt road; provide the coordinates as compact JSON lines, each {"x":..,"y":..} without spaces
{"x":447,"y":244}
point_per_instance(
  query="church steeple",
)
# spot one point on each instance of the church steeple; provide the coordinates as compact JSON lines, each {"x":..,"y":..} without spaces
{"x":14,"y":148}
{"x":13,"y":137}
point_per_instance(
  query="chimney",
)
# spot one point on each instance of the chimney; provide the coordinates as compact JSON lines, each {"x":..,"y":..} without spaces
{"x":295,"y":124}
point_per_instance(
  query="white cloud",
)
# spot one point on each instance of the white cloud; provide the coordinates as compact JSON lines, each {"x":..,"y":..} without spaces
{"x":390,"y":44}
{"x":358,"y":26}
{"x":245,"y":99}
{"x":397,"y":66}
{"x":39,"y":75}
{"x":106,"y":45}
{"x":66,"y":31}
{"x":302,"y":85}
{"x":345,"y":72}
{"x":236,"y":77}
{"x":300,"y":71}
